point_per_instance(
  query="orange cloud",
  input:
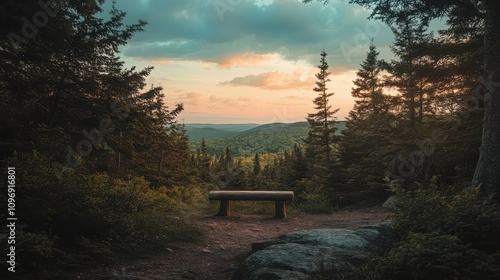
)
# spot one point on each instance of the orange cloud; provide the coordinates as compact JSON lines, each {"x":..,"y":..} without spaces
{"x":192,"y":98}
{"x":245,"y":60}
{"x":242,"y":101}
{"x":275,"y":80}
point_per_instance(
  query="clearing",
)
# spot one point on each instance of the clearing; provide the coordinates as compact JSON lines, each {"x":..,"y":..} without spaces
{"x":226,"y":242}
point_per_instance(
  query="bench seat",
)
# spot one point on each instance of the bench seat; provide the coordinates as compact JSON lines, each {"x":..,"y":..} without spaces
{"x":280,"y":197}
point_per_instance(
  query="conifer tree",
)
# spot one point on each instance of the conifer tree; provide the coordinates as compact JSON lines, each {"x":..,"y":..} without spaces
{"x":410,"y":74}
{"x":256,"y":165}
{"x":370,"y":99}
{"x":321,"y":134}
{"x":203,"y":162}
{"x":366,"y":125}
{"x":228,"y":159}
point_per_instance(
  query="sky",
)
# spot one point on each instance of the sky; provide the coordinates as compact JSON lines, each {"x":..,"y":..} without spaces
{"x":250,"y":61}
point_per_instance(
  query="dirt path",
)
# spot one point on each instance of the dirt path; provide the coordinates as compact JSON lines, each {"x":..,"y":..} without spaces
{"x":226,"y":242}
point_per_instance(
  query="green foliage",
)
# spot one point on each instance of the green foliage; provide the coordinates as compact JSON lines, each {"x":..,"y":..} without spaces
{"x":459,"y":210}
{"x":447,"y":232}
{"x":179,"y":197}
{"x":436,"y":255}
{"x":108,"y":155}
{"x":316,"y":203}
{"x":369,"y":122}
{"x":270,"y":140}
{"x":35,"y":250}
{"x":321,"y":134}
{"x":92,"y":215}
{"x":151,"y":230}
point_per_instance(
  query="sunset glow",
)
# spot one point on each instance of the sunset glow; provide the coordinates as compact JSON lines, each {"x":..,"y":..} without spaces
{"x":254,"y":62}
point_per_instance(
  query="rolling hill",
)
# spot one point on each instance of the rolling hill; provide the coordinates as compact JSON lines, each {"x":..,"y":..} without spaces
{"x":196,"y":132}
{"x":267,"y":138}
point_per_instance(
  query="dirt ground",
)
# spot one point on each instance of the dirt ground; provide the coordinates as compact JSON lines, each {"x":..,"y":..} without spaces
{"x":226,"y":242}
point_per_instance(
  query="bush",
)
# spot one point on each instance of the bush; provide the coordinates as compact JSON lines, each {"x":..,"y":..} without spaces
{"x":438,"y":256}
{"x":316,"y":203}
{"x":83,"y":216}
{"x":448,"y":232}
{"x":459,"y":210}
{"x":152,"y":230}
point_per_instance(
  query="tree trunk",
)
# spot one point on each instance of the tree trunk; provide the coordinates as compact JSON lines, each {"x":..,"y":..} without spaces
{"x":487,"y":172}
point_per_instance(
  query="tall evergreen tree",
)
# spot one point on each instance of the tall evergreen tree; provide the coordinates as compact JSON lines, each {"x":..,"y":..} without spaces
{"x":409,"y":73}
{"x":321,"y":138}
{"x":370,"y":100}
{"x":368,"y":123}
{"x":256,"y":165}
{"x":204,"y":162}
{"x":321,"y":134}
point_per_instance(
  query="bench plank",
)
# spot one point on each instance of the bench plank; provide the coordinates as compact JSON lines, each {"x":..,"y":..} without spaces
{"x":251,"y":195}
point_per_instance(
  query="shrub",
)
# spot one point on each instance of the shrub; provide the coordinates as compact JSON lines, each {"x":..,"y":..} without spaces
{"x":153,"y":230}
{"x":459,"y":210}
{"x":316,"y":203}
{"x":438,"y":256}
{"x":448,"y":232}
{"x":88,"y":216}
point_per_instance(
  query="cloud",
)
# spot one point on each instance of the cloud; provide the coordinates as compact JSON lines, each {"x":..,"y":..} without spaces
{"x":248,"y":32}
{"x":294,"y":97}
{"x":235,"y":102}
{"x":275,"y":80}
{"x":191,"y":98}
{"x":246,"y":59}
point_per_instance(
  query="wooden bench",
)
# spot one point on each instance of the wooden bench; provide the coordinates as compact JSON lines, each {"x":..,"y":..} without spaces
{"x":280,"y":197}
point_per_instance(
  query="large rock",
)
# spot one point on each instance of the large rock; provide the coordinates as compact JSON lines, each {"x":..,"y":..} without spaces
{"x":301,"y":255}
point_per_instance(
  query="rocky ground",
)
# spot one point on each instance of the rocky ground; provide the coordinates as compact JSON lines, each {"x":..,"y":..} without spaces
{"x":225,"y":243}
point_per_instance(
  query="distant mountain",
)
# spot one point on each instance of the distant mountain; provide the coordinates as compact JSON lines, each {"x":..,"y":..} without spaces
{"x":267,"y":126}
{"x":196,"y":132}
{"x":267,"y":138}
{"x":300,"y":124}
{"x":225,"y":127}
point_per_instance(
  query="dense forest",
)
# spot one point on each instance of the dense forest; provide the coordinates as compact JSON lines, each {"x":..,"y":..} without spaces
{"x":102,"y":164}
{"x":269,"y":138}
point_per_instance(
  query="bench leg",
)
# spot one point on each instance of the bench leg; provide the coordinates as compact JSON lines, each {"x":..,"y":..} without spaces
{"x":224,"y":209}
{"x":280,"y":210}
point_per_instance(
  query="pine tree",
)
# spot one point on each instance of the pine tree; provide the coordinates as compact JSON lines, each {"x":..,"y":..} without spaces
{"x":370,"y":99}
{"x":299,"y":167}
{"x":410,"y":74}
{"x":321,"y":137}
{"x":228,"y":159}
{"x":321,"y":134}
{"x":204,"y":162}
{"x":367,"y":124}
{"x":256,"y":165}
{"x":296,"y":170}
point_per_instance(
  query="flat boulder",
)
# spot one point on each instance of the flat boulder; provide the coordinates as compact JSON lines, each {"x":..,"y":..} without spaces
{"x":303,"y":254}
